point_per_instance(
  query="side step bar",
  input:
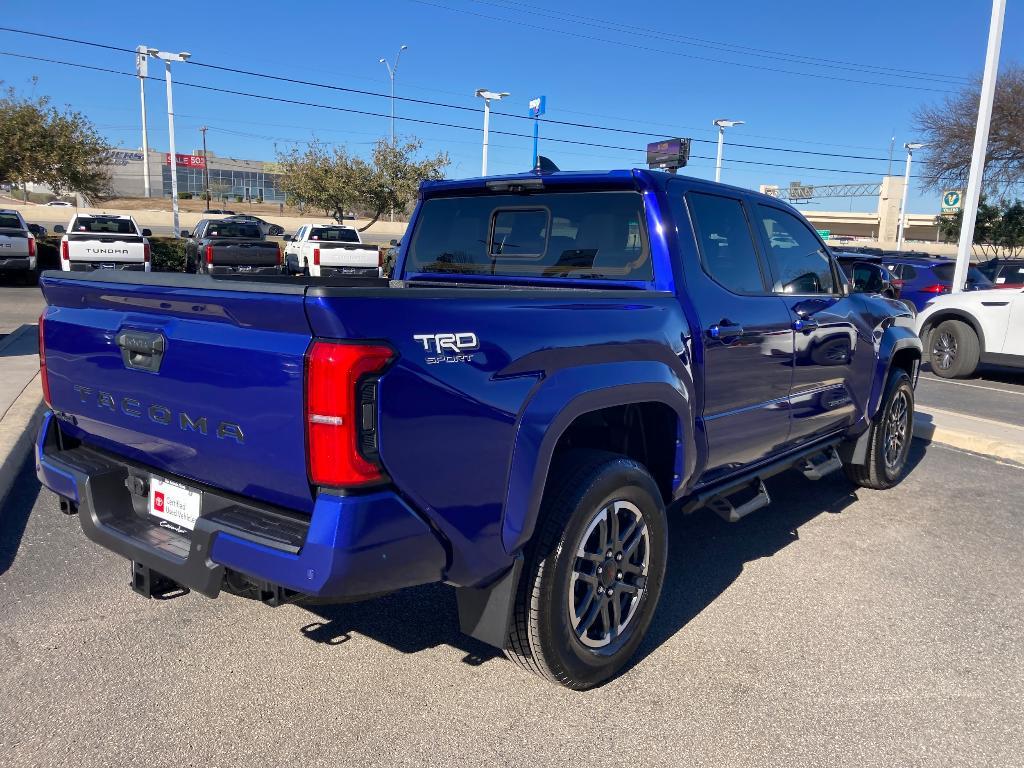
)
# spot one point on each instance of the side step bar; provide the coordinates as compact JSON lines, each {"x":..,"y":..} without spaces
{"x":733,"y":501}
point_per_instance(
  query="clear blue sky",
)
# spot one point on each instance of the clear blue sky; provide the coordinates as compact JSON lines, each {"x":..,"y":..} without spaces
{"x":657,"y":66}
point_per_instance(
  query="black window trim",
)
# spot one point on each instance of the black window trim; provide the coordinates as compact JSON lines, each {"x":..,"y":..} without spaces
{"x":837,"y":282}
{"x":762,"y":266}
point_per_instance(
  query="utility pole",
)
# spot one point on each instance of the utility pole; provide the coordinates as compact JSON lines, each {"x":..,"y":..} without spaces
{"x":486,"y":95}
{"x":892,"y":144}
{"x":167,"y":58}
{"x":910,"y":147}
{"x":722,"y":125}
{"x":142,"y":70}
{"x":206,"y":167}
{"x":988,"y":92}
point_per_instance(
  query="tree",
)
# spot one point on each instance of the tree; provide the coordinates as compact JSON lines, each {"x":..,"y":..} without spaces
{"x":44,"y":145}
{"x":998,"y":228}
{"x":336,"y":182}
{"x":948,"y":130}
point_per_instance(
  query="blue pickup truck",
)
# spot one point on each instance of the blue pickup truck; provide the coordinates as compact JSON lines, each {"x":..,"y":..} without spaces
{"x":563,"y":359}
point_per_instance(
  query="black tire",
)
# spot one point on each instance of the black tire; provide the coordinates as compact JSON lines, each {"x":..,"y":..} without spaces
{"x":581,"y":490}
{"x":954,"y":350}
{"x":884,"y":467}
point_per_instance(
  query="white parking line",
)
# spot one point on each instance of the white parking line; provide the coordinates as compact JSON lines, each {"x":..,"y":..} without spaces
{"x":972,"y":386}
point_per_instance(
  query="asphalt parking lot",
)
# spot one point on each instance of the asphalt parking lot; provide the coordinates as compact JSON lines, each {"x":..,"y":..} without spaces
{"x":18,"y":305}
{"x":834,"y":628}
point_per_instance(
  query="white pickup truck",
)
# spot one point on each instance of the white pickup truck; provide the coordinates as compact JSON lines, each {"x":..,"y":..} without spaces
{"x":17,"y":246}
{"x":330,"y":249}
{"x":103,"y":241}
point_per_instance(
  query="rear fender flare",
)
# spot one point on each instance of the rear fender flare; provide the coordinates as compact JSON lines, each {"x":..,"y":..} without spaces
{"x":558,"y":401}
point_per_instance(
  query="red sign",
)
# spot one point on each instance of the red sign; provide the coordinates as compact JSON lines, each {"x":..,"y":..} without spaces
{"x":187,"y":161}
{"x":158,"y":501}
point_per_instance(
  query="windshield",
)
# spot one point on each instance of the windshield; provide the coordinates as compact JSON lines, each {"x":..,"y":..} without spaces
{"x":597,"y":235}
{"x":974,"y":275}
{"x":334,"y":235}
{"x":104,"y":225}
{"x":233,"y":229}
{"x":9,"y":221}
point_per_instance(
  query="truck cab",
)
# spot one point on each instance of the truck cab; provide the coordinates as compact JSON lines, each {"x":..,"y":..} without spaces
{"x":17,"y":246}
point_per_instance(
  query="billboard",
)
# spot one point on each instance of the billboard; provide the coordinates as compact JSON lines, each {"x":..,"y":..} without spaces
{"x":669,"y":154}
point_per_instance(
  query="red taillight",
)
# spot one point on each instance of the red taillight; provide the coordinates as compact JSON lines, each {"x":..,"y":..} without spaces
{"x":64,"y":251}
{"x":31,"y":247}
{"x":937,"y":288}
{"x":336,"y":419}
{"x":146,"y":252}
{"x":43,"y":376}
{"x":897,"y":283}
{"x":316,"y":257}
{"x":280,"y":256}
{"x":209,"y":254}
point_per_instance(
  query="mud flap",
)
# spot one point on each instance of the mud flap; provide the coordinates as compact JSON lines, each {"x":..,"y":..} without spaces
{"x":485,"y":613}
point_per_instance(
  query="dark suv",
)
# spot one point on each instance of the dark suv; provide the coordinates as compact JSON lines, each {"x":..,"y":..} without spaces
{"x":925,"y":277}
{"x":1004,"y":273}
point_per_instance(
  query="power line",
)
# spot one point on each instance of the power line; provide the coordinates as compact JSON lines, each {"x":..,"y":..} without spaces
{"x":427,"y":102}
{"x":421,"y":121}
{"x":791,"y":58}
{"x":637,"y":46}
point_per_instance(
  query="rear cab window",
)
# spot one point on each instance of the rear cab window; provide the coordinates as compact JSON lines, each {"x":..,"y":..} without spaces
{"x":103,"y":225}
{"x":233,"y":229}
{"x":10,"y":221}
{"x":598,"y":235}
{"x":334,"y":235}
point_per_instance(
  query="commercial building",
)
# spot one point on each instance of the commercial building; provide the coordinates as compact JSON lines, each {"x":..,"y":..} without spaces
{"x":230,"y":178}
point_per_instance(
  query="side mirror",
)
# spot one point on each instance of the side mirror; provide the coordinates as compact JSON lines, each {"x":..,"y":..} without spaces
{"x":147,"y":233}
{"x":394,"y":242}
{"x":287,"y":238}
{"x":59,"y":229}
{"x":184,"y":233}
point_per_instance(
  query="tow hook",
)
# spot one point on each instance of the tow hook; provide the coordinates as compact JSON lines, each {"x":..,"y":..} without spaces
{"x":68,"y":507}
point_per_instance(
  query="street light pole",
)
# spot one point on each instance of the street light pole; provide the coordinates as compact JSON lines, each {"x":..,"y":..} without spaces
{"x":722,"y":125}
{"x":206,"y":168}
{"x":988,"y":92}
{"x":142,"y":70}
{"x":392,"y":71}
{"x":486,"y":95}
{"x":906,"y":190}
{"x":167,"y":58}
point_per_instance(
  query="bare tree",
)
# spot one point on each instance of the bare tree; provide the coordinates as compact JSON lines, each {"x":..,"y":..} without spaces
{"x":948,"y":130}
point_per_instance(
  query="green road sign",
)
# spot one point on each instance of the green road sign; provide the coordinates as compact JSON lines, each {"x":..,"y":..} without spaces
{"x":825,"y":234}
{"x":952,"y":201}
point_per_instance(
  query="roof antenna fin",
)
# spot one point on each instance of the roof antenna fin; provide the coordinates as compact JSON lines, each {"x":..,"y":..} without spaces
{"x":544,"y":165}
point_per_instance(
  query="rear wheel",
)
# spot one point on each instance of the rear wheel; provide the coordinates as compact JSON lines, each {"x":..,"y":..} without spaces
{"x":954,"y":350}
{"x":593,"y":573}
{"x":889,"y":438}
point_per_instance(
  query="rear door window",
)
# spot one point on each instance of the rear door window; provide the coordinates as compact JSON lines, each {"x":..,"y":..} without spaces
{"x":726,"y":246}
{"x":799,"y":262}
{"x":9,"y":221}
{"x":591,"y":235}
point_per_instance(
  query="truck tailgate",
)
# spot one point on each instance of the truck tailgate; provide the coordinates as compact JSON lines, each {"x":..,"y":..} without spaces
{"x":106,"y":249}
{"x":221,"y":404}
{"x":13,"y":244}
{"x":347,"y":254}
{"x":254,"y":253}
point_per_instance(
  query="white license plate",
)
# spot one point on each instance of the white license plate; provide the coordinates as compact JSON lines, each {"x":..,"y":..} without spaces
{"x":174,"y":503}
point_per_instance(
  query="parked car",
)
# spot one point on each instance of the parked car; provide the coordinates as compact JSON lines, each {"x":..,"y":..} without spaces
{"x":220,"y":210}
{"x":1004,"y":273}
{"x":223,"y":246}
{"x":38,"y":230}
{"x":961,"y":330}
{"x":103,"y":241}
{"x":925,"y":277}
{"x":331,"y":249}
{"x":17,"y":247}
{"x":564,"y":357}
{"x":60,"y":204}
{"x":268,"y":229}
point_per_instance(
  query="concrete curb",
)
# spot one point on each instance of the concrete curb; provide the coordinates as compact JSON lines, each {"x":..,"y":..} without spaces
{"x":17,"y":434}
{"x":971,"y":433}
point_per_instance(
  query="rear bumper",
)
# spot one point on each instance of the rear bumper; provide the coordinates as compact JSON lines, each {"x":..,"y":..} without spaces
{"x":352,"y":546}
{"x":350,"y":271}
{"x":26,"y":264}
{"x":243,"y":269}
{"x":91,"y":266}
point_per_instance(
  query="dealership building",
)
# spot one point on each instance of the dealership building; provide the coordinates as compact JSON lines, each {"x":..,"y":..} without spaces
{"x":230,"y":178}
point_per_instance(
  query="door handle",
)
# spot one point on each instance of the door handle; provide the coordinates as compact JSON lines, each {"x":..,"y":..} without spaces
{"x":725,"y":330}
{"x":805,"y":324}
{"x":141,"y":350}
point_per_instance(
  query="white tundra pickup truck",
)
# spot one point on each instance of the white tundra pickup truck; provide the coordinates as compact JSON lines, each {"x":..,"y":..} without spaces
{"x":961,"y":330}
{"x":330,"y":249}
{"x":103,"y":241}
{"x":17,"y":246}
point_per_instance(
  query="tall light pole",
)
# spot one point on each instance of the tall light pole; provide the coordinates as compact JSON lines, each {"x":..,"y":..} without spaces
{"x":206,"y":167}
{"x":988,"y":92}
{"x":486,"y":95}
{"x":906,"y":189}
{"x":722,"y":125}
{"x":392,"y":71}
{"x":142,"y":70}
{"x":167,"y":58}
